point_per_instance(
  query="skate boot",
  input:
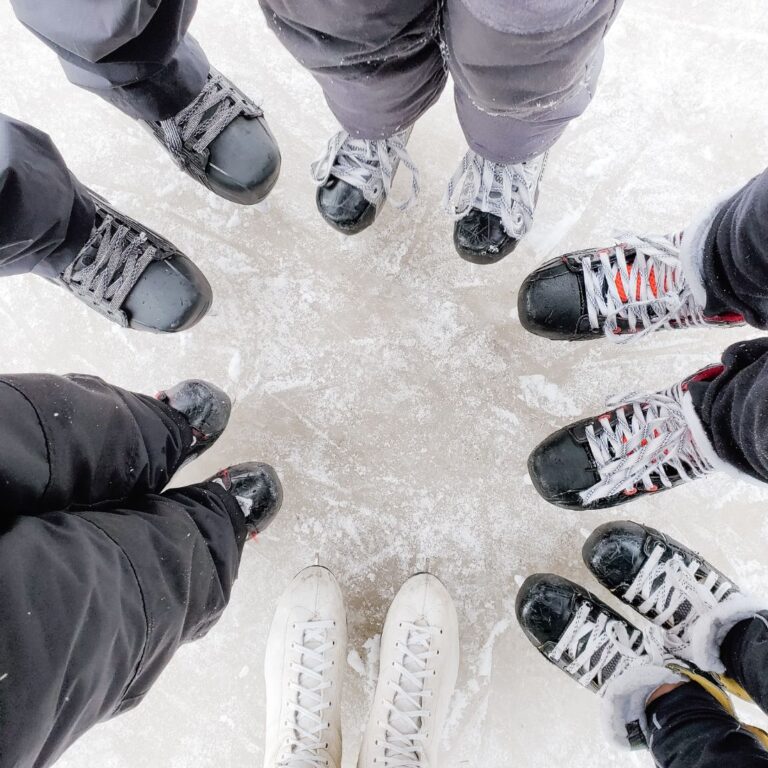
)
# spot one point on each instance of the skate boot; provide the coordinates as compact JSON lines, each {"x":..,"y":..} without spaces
{"x":304,"y":669}
{"x":206,"y":409}
{"x":601,"y":651}
{"x":131,"y":275}
{"x":354,"y":178}
{"x":646,"y":444}
{"x":222,"y":140}
{"x":417,"y":675}
{"x":257,"y":489}
{"x":493,"y":205}
{"x":672,"y":586}
{"x":623,"y":292}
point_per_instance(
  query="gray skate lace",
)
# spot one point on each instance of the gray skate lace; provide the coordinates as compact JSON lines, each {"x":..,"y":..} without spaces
{"x":107,"y":278}
{"x":199,"y":123}
{"x":602,"y":649}
{"x":369,"y":166}
{"x":649,"y":293}
{"x":674,"y":594}
{"x":650,"y":437}
{"x":506,"y":191}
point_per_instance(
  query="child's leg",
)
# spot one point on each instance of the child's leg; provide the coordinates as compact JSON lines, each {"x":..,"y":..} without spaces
{"x":687,"y":728}
{"x":378,"y":62}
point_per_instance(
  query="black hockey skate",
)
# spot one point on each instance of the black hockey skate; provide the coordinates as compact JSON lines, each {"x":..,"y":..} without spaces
{"x":257,"y":489}
{"x":223,"y":141}
{"x":131,"y":275}
{"x":493,"y":205}
{"x":625,"y":291}
{"x":206,"y":409}
{"x":660,"y":578}
{"x":354,"y":179}
{"x":600,"y":650}
{"x":641,"y":446}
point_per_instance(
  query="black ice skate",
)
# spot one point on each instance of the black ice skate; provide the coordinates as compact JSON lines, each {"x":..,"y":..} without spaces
{"x":493,"y":205}
{"x":131,"y":275}
{"x":647,"y":444}
{"x":597,"y":648}
{"x":661,"y":579}
{"x":257,"y":489}
{"x":206,"y":409}
{"x":625,"y":291}
{"x":222,"y":140}
{"x":354,"y":179}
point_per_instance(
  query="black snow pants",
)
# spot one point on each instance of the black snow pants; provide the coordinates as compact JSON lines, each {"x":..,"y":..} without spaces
{"x":102,"y":575}
{"x":136,"y":54}
{"x":523,"y":69}
{"x":689,"y":729}
{"x":46,"y":215}
{"x":733,"y":408}
{"x":734,"y":264}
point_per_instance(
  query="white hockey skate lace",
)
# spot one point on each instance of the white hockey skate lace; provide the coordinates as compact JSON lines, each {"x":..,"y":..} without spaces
{"x":650,"y":437}
{"x":369,"y":166}
{"x":306,"y":745}
{"x":108,"y":277}
{"x":648,"y":293}
{"x":404,"y":737}
{"x":199,"y":123}
{"x":610,"y":648}
{"x":677,"y":594}
{"x":506,"y":191}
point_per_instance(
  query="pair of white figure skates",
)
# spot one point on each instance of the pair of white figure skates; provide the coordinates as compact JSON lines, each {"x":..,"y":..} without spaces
{"x":304,"y":668}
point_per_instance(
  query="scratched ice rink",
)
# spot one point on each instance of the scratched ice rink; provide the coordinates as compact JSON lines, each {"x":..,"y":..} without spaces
{"x":390,"y":383}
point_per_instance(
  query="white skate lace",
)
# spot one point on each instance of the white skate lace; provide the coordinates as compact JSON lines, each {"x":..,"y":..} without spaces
{"x":108,"y":277}
{"x":404,"y":736}
{"x":677,"y":593}
{"x":506,"y":191}
{"x":369,"y":166}
{"x":610,"y":648}
{"x":650,"y":437}
{"x":193,"y":129}
{"x":305,"y":746}
{"x":649,"y":293}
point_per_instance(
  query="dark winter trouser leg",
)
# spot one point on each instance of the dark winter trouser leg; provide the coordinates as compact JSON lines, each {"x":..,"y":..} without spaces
{"x":523,"y":71}
{"x":72,"y":441}
{"x":689,"y":729}
{"x":136,"y":54}
{"x":378,"y":62}
{"x":732,"y":255}
{"x":734,"y":408}
{"x":42,"y":205}
{"x":94,"y":604}
{"x":745,"y":654}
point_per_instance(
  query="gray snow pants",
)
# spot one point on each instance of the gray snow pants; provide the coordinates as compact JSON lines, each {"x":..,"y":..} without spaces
{"x":522,"y":69}
{"x":102,"y":574}
{"x":136,"y":54}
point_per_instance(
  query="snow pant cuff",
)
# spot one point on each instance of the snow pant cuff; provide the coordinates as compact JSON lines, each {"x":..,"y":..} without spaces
{"x":144,"y":95}
{"x":625,"y":700}
{"x":709,"y":631}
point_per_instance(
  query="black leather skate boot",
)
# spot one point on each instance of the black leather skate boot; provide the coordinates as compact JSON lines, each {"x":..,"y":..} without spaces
{"x":257,"y":489}
{"x":648,"y":444}
{"x":206,"y":409}
{"x":130,"y":274}
{"x":223,"y":141}
{"x":493,"y":205}
{"x":624,"y":291}
{"x":354,"y":179}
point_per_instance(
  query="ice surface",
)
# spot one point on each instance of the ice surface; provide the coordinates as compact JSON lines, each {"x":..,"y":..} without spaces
{"x":389,"y":382}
